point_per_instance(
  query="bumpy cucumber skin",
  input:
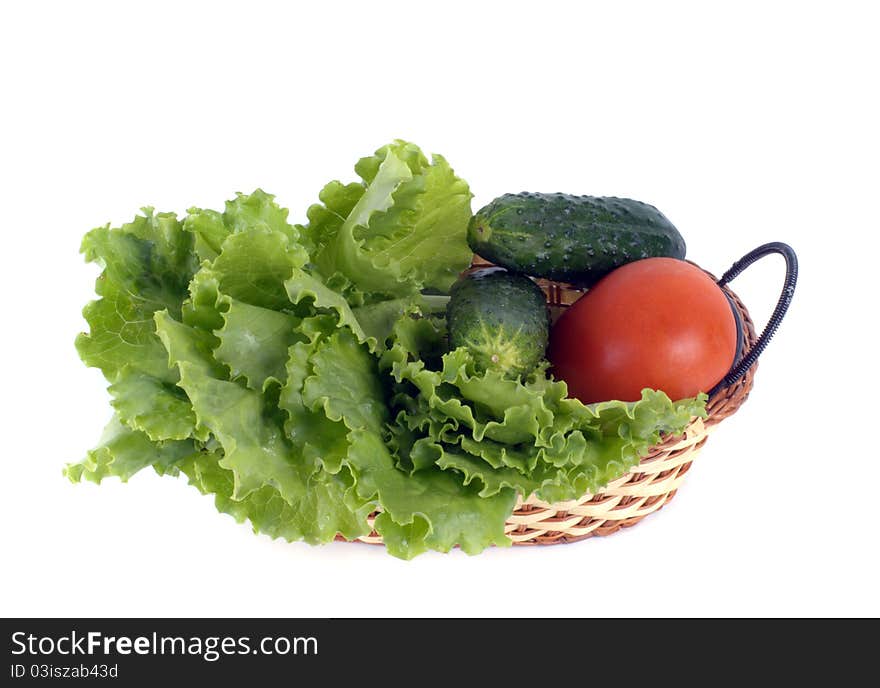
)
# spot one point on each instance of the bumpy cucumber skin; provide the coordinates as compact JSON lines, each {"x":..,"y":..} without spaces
{"x":577,"y":239}
{"x":502,"y":319}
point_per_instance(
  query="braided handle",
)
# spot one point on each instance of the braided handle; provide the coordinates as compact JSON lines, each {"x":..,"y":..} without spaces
{"x":791,"y":273}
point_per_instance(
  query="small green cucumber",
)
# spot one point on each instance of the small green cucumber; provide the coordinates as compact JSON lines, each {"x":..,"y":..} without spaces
{"x":502,"y":319}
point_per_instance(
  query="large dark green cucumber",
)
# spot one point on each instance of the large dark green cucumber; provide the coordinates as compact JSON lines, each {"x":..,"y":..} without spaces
{"x":502,"y":319}
{"x":569,"y":238}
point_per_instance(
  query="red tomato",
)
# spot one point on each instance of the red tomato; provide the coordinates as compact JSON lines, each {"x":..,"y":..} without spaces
{"x":661,"y":323}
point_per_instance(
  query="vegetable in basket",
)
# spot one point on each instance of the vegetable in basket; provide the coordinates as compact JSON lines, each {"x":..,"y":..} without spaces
{"x":501,"y":318}
{"x":576,"y":239}
{"x":302,"y":374}
{"x":660,"y":323}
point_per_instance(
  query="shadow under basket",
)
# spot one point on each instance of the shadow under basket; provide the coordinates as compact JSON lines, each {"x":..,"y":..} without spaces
{"x":654,"y":481}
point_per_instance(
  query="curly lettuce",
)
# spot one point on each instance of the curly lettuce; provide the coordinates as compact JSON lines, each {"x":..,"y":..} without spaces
{"x":299,"y":372}
{"x":495,"y":432}
{"x":395,"y":233}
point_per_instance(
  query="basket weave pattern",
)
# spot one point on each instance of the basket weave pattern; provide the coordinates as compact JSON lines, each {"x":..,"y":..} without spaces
{"x":647,"y":487}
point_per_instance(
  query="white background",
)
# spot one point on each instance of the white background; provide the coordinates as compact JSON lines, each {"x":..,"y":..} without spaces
{"x":743,"y":125}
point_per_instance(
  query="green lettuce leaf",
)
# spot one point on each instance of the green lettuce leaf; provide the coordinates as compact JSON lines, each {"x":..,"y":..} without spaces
{"x":208,"y":230}
{"x":159,"y":409}
{"x":320,"y":439}
{"x":122,"y":452}
{"x":403,"y":229}
{"x":323,"y":512}
{"x":255,"y":448}
{"x":303,"y":288}
{"x":422,"y":237}
{"x":253,"y":266}
{"x":345,"y":384}
{"x":148,"y":264}
{"x":254,"y":343}
{"x":427,"y":509}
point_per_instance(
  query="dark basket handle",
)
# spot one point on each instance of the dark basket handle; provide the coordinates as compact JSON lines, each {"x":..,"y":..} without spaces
{"x":791,"y":273}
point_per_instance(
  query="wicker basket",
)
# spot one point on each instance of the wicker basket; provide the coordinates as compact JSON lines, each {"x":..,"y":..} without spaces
{"x":651,"y":484}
